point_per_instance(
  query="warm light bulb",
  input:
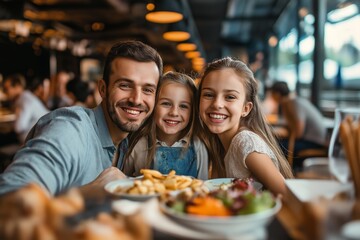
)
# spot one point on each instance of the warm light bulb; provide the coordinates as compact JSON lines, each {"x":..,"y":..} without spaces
{"x":163,"y":17}
{"x":176,"y":36}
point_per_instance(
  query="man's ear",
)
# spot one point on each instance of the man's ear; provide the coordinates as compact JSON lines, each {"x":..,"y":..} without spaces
{"x":102,"y":88}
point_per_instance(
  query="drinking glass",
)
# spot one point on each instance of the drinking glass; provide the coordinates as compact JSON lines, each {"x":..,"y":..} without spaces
{"x":338,"y":164}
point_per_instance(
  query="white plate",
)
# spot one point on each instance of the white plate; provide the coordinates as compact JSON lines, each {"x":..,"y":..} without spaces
{"x":224,"y":225}
{"x":306,"y":190}
{"x":215,"y":183}
{"x":126,"y":183}
{"x":351,"y":230}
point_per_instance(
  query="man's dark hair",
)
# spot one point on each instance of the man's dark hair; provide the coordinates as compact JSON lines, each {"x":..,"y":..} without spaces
{"x":281,"y":88}
{"x":134,"y":50}
{"x":16,"y":79}
{"x":80,"y":89}
{"x":35,"y":83}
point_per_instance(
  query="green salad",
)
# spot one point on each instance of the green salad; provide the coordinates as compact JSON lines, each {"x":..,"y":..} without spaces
{"x":238,"y":198}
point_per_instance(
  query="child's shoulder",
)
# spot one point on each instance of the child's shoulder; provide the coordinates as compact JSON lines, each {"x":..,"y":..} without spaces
{"x":142,"y":141}
{"x":197,"y":142}
{"x":246,"y":135}
{"x":245,"y":132}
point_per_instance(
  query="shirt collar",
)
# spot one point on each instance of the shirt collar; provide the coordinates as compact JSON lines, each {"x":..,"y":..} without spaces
{"x":103,"y":130}
{"x":180,"y":143}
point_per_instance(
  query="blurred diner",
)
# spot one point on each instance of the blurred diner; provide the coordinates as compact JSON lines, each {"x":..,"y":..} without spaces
{"x":28,"y":108}
{"x":40,"y":87}
{"x":57,"y":96}
{"x":80,"y":93}
{"x":304,"y":122}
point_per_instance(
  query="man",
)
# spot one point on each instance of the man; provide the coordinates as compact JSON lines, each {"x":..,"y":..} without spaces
{"x":304,"y":120}
{"x":28,"y":108}
{"x":75,"y":146}
{"x":79,"y":92}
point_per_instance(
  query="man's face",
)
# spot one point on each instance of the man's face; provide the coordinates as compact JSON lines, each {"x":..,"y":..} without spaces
{"x":11,"y":92}
{"x":276,"y":96}
{"x":130,"y":94}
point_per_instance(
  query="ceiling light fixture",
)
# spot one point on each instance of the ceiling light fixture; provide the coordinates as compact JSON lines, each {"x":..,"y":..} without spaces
{"x":193,"y":54}
{"x":177,"y":32}
{"x":164,"y":11}
{"x":186,"y":46}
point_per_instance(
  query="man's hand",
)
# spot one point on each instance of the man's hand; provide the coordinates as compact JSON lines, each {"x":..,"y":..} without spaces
{"x":96,"y":187}
{"x":108,"y":175}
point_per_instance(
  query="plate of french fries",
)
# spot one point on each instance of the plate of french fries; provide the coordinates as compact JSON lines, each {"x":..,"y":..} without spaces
{"x":152,"y":184}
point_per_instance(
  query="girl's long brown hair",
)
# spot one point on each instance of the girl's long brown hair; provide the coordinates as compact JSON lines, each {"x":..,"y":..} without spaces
{"x":254,"y":121}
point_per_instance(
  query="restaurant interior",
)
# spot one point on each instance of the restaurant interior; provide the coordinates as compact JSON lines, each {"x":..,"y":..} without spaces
{"x":313,"y":46}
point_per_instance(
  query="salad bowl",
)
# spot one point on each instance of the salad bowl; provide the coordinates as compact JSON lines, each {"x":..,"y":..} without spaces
{"x":259,"y":210}
{"x":225,"y":225}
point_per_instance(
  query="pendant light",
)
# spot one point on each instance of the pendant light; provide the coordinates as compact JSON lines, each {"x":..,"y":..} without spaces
{"x":177,"y":32}
{"x":164,"y":11}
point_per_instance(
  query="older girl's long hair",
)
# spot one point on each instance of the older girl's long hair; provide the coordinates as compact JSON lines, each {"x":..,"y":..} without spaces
{"x":148,"y":129}
{"x":254,"y":121}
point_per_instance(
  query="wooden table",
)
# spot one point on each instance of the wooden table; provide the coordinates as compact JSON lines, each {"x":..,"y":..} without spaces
{"x":318,"y":218}
{"x":7,"y":119}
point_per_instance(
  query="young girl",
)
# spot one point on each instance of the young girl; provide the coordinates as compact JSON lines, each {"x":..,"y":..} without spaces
{"x":167,"y":142}
{"x":240,"y":142}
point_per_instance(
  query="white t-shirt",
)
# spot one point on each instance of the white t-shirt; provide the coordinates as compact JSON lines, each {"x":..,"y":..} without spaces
{"x":244,"y":143}
{"x":31,"y":109}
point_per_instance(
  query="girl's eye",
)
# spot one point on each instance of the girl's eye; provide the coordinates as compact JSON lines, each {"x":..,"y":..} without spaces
{"x":165,"y":104}
{"x":207,"y":95}
{"x":230,"y":97}
{"x":184,"y":106}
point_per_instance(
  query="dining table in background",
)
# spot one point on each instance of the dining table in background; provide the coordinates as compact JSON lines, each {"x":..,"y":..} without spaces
{"x":7,"y":119}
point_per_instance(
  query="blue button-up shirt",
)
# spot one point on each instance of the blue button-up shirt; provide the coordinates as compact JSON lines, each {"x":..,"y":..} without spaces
{"x":68,"y":147}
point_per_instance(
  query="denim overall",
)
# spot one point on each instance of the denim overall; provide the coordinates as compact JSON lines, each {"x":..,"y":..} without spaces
{"x":173,"y":158}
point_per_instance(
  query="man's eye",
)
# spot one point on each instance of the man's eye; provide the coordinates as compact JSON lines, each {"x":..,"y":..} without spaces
{"x":149,"y":90}
{"x":124,"y":86}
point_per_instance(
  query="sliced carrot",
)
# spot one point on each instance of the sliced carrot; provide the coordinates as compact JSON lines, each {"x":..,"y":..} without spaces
{"x":208,"y":206}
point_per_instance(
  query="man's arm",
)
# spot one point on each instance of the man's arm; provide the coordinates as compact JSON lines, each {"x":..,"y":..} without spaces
{"x":95,"y":189}
{"x":294,"y":121}
{"x":49,"y":158}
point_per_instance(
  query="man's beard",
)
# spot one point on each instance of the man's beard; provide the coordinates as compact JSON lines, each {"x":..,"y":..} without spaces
{"x":125,"y":127}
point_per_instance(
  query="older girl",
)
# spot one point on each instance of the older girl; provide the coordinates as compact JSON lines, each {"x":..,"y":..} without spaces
{"x":242,"y":144}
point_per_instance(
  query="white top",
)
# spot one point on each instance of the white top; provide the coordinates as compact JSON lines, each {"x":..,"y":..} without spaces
{"x":29,"y":110}
{"x":315,"y":129}
{"x":137,"y":158}
{"x":244,"y":143}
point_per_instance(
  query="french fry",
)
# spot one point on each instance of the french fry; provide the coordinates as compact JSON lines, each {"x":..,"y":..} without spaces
{"x":148,"y":183}
{"x":170,"y":183}
{"x":160,"y":188}
{"x":196,"y":183}
{"x":154,"y":173}
{"x":184,"y":184}
{"x":171,"y":173}
{"x":133,"y":190}
{"x":148,"y":176}
{"x":142,"y":189}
